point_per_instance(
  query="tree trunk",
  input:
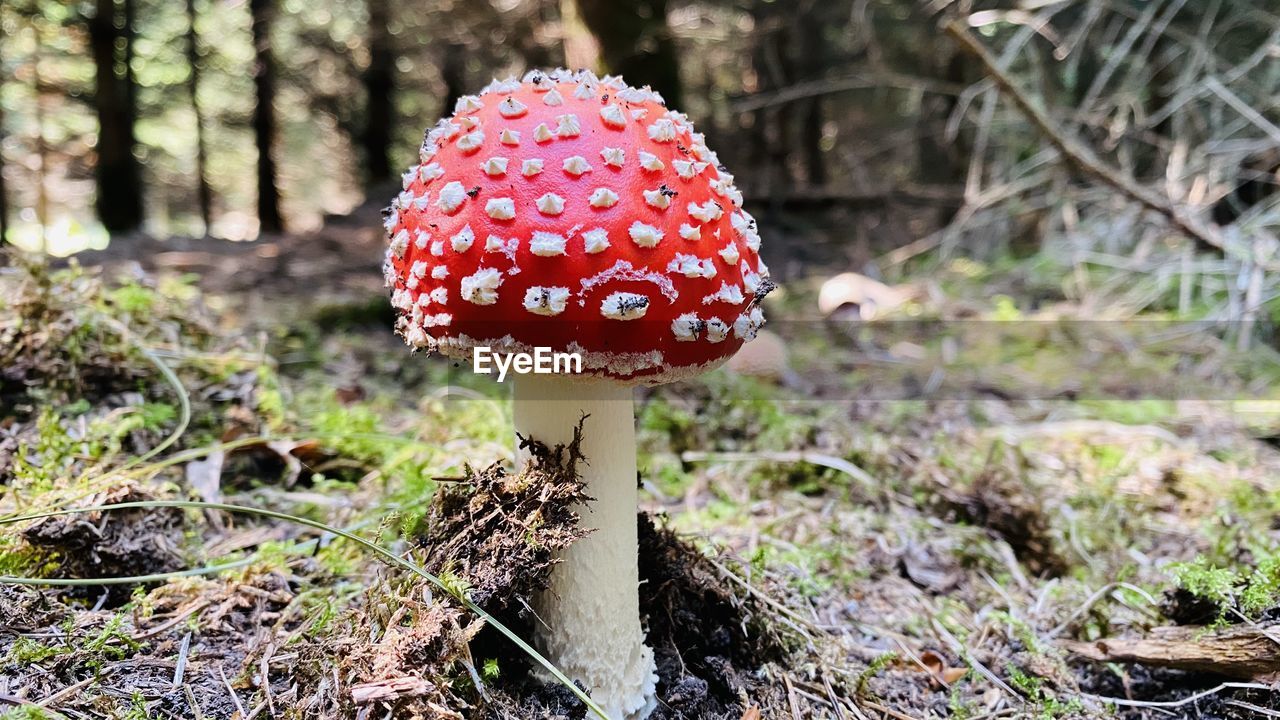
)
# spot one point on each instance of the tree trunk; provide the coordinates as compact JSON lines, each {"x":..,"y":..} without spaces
{"x":813,"y":61}
{"x":769,"y":132}
{"x":264,"y":116}
{"x":453,"y":73}
{"x":938,"y":162}
{"x":379,"y":86}
{"x":204,"y":194}
{"x":42,"y":145}
{"x":4,"y":194}
{"x":636,"y":42}
{"x":118,"y":173}
{"x":580,"y":47}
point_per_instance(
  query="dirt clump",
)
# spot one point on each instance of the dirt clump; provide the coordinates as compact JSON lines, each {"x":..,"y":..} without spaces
{"x":708,"y":641}
{"x":499,"y":532}
{"x":490,"y":536}
{"x":111,"y":543}
{"x":1001,"y":502}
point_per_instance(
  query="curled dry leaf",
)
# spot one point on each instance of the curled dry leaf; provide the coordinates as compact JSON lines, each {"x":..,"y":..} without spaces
{"x":205,"y":476}
{"x":871,"y":298}
{"x":941,"y":674}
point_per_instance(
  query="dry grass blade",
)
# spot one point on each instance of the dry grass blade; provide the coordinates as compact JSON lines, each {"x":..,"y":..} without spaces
{"x":828,"y":461}
{"x":1190,"y":699}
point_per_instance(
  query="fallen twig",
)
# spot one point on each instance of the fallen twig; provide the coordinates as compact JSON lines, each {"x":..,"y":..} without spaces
{"x":389,"y":689}
{"x":828,"y":86}
{"x":1081,"y":157}
{"x":1239,"y":651}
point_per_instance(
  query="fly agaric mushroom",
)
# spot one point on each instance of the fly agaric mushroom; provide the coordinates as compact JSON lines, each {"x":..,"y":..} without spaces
{"x":579,"y":214}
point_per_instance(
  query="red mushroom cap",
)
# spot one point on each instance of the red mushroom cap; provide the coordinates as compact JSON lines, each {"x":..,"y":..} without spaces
{"x":580,"y":214}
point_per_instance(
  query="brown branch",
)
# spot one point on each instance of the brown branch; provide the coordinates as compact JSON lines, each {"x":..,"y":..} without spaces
{"x":1081,"y":157}
{"x":829,"y":197}
{"x":831,"y":86}
{"x":1243,"y":652}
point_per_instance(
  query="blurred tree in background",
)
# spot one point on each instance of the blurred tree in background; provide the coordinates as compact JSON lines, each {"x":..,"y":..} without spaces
{"x":635,"y":42}
{"x":379,"y":88}
{"x":264,"y":115}
{"x":115,"y":99}
{"x":850,"y":123}
{"x":195,"y":54}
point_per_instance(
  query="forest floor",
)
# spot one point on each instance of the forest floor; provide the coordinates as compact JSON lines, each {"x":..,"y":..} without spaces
{"x":1002,"y":499}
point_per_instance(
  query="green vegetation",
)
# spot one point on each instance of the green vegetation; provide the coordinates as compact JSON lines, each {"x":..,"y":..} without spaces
{"x":875,"y":667}
{"x":1250,"y":590}
{"x":1047,"y":704}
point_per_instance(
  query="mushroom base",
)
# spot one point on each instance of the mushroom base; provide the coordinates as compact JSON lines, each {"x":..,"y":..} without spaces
{"x":590,"y":616}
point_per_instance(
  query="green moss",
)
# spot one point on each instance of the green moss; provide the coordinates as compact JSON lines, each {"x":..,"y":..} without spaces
{"x":961,"y":707}
{"x":132,"y":299}
{"x":1262,"y":590}
{"x":1131,"y":412}
{"x":1021,"y":630}
{"x":112,"y":642}
{"x":455,"y":584}
{"x":31,"y":712}
{"x":1045,"y":703}
{"x":1251,"y":590}
{"x":876,"y":666}
{"x":1215,"y":584}
{"x":25,"y":651}
{"x":270,"y":398}
{"x":1006,"y":309}
{"x":137,"y":709}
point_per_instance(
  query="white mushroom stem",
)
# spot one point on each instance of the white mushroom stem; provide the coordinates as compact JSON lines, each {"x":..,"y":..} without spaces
{"x":590,"y":616}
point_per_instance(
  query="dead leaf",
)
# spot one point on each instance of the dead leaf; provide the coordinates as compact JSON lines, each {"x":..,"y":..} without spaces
{"x":752,"y":713}
{"x":350,"y":393}
{"x":942,"y":674}
{"x":872,"y":298}
{"x":205,"y":476}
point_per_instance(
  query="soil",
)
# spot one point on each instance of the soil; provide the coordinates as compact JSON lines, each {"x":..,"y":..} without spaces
{"x":709,"y":642}
{"x":500,"y":532}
